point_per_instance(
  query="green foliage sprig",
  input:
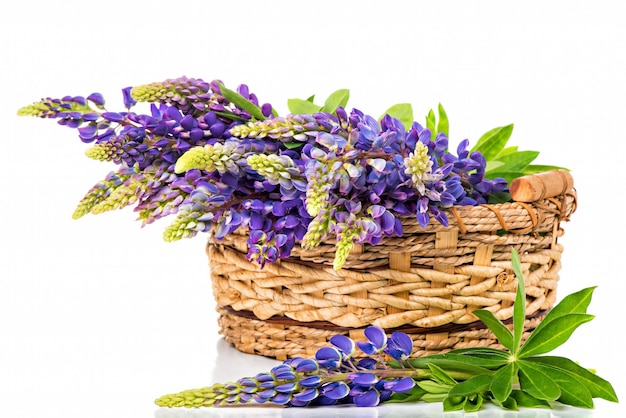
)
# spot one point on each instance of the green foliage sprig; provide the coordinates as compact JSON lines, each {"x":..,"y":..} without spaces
{"x":521,"y":375}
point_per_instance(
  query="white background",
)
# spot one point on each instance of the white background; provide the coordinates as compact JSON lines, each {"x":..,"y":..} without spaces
{"x":98,"y":317}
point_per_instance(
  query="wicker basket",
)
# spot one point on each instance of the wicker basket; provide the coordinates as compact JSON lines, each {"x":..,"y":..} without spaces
{"x":426,"y":283}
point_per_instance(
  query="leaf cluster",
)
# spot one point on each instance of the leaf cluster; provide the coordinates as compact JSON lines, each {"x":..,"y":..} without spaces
{"x":521,"y":375}
{"x":505,"y":161}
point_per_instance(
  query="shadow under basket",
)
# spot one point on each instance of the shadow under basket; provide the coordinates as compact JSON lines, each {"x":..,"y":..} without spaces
{"x":425,"y":283}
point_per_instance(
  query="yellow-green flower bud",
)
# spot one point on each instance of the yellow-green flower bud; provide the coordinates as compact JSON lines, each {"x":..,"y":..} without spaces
{"x":418,"y":165}
{"x":209,"y":158}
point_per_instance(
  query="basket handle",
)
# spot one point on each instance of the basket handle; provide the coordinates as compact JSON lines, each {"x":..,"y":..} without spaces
{"x":541,"y":186}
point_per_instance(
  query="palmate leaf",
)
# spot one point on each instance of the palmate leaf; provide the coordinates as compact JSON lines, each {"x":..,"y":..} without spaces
{"x":502,"y":333}
{"x":553,"y":334}
{"x":535,"y":382}
{"x":597,"y":386}
{"x":577,"y":302}
{"x":574,"y":391}
{"x":526,"y":400}
{"x":502,"y":382}
{"x":475,"y":385}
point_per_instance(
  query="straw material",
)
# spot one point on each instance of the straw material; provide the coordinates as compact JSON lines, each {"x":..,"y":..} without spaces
{"x":426,"y":283}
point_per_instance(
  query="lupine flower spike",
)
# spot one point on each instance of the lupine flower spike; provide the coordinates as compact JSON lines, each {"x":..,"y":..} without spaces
{"x":334,"y":376}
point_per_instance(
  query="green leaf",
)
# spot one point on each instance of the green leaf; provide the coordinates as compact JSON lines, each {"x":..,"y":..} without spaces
{"x":509,"y":176}
{"x":475,"y":385}
{"x":577,"y":302}
{"x":493,"y":165}
{"x":230,"y":116}
{"x":478,"y":352}
{"x":509,"y":403}
{"x":293,"y":145}
{"x":431,"y":121}
{"x":493,"y":141}
{"x":336,"y":99}
{"x":434,"y":397}
{"x":506,"y":151}
{"x":573,"y":391}
{"x":433,"y":387}
{"x":443,"y":125}
{"x":473,"y":404}
{"x":440,"y":375}
{"x":486,"y":359}
{"x":538,"y":168}
{"x":555,"y":333}
{"x":454,"y":403}
{"x":517,"y":161}
{"x":449,"y":365}
{"x":500,"y":197}
{"x":502,"y":382}
{"x":241,"y":102}
{"x":597,"y":386}
{"x":414,"y":395}
{"x":300,"y":106}
{"x":519,"y":307}
{"x":401,"y":111}
{"x":535,"y":382}
{"x":502,"y":333}
{"x":525,"y":400}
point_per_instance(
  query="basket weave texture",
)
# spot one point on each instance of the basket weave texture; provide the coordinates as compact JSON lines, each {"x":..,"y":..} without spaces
{"x":425,"y":283}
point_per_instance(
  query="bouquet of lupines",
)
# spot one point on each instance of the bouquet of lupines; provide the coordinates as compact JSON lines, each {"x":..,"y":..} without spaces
{"x":219,"y":161}
{"x":462,"y":379}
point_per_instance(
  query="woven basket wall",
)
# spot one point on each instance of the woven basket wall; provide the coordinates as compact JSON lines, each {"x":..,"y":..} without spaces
{"x":426,"y":283}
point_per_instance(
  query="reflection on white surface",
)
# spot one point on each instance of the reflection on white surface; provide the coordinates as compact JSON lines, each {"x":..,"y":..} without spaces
{"x":425,"y":410}
{"x":231,"y":365}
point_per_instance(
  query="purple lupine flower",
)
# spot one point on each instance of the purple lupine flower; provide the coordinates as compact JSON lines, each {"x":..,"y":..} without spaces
{"x":376,"y":341}
{"x":328,"y":357}
{"x":129,"y":101}
{"x":346,"y":345}
{"x":399,"y":346}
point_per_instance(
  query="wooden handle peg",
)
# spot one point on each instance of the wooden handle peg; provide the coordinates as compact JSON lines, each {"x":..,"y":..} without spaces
{"x":541,"y":186}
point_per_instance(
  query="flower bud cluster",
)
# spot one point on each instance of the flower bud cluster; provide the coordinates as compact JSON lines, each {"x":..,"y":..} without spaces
{"x":98,"y":195}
